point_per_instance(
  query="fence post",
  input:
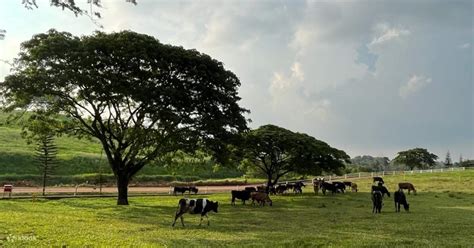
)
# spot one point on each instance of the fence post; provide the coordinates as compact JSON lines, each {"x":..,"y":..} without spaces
{"x":359,"y":174}
{"x":345,"y":176}
{"x":383,"y":173}
{"x":329,"y":177}
{"x":372,"y":174}
{"x":394,"y":173}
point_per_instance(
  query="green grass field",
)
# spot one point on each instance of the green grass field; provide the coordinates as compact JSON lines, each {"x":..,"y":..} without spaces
{"x":442,"y":215}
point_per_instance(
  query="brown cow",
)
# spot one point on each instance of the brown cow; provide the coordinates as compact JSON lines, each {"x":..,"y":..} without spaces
{"x":354,"y":187}
{"x":408,"y":186}
{"x":261,"y":198}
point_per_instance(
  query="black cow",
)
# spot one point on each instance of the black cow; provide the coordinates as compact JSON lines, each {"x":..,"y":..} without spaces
{"x":298,"y":187}
{"x":251,"y":189}
{"x":339,"y":186}
{"x":379,"y":179}
{"x":377,"y":200}
{"x":193,"y":189}
{"x":263,"y":188}
{"x":195,"y":206}
{"x":382,"y":189}
{"x":243,"y":195}
{"x":280,"y":189}
{"x":328,"y":186}
{"x":181,"y":190}
{"x":399,"y":198}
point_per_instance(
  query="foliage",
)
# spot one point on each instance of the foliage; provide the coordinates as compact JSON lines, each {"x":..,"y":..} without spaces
{"x":368,"y":163}
{"x":447,"y":161}
{"x":442,"y":211}
{"x":72,"y":5}
{"x":141,"y":99}
{"x":277,"y":151}
{"x":417,"y":157}
{"x":466,"y":163}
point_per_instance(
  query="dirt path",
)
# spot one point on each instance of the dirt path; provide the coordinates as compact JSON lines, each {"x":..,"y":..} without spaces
{"x":92,"y":190}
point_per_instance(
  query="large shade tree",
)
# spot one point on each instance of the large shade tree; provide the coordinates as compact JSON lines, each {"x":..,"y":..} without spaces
{"x":277,"y":151}
{"x":416,"y":157}
{"x":141,"y":99}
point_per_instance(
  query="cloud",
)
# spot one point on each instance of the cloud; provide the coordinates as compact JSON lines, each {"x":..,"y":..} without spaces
{"x":414,"y":84}
{"x":465,"y":46}
{"x":385,"y":33}
{"x":297,"y":71}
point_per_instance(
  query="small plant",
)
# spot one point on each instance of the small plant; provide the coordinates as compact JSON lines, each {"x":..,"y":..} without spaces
{"x":45,"y":154}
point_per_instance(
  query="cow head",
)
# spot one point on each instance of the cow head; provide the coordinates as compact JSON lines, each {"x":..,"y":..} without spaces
{"x":406,"y":207}
{"x":214,"y":206}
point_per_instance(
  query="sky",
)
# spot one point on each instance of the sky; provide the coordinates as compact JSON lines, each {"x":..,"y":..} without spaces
{"x":368,"y":77}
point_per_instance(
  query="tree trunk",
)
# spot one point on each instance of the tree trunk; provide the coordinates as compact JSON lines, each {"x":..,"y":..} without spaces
{"x":269,"y":184}
{"x":122,"y":186}
{"x":44,"y":182}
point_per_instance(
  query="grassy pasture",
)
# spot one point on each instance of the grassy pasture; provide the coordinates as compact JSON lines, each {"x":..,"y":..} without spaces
{"x":442,"y":215}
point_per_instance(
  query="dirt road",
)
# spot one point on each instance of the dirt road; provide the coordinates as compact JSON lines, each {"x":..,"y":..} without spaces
{"x":92,"y":190}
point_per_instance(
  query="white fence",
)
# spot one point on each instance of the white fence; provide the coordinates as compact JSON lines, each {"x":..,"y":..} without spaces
{"x":392,"y":173}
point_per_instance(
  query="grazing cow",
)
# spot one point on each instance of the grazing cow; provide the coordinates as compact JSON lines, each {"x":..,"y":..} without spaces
{"x":261,"y":198}
{"x":298,"y":187}
{"x":377,"y":200}
{"x":317,"y":183}
{"x":379,"y":179}
{"x":181,"y":190}
{"x":251,"y":189}
{"x":195,"y":206}
{"x":408,"y":186}
{"x":316,"y":188}
{"x":339,"y":186}
{"x":399,"y":198}
{"x":243,"y":195}
{"x":280,"y":189}
{"x":263,"y":188}
{"x":382,"y":189}
{"x":193,"y":189}
{"x":354,"y":187}
{"x":328,"y":186}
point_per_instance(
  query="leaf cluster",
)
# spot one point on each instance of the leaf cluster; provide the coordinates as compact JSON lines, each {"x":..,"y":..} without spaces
{"x":417,"y":157}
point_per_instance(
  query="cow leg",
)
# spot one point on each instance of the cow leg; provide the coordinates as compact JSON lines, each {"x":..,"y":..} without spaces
{"x":207,"y":217}
{"x":178,"y":214}
{"x":201,"y":220}
{"x":232,"y":201}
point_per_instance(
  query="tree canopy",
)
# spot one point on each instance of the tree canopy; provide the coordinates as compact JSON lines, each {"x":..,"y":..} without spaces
{"x":277,"y":151}
{"x":141,"y":99}
{"x":417,"y":157}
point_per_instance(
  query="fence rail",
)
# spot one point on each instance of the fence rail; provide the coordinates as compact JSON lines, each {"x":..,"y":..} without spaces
{"x":392,"y":173}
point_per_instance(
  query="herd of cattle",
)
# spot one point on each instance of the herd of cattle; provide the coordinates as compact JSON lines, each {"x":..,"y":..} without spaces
{"x":261,"y":195}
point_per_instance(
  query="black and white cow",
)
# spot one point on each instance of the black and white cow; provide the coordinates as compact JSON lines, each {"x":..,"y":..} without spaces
{"x":195,"y":206}
{"x":381,"y":188}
